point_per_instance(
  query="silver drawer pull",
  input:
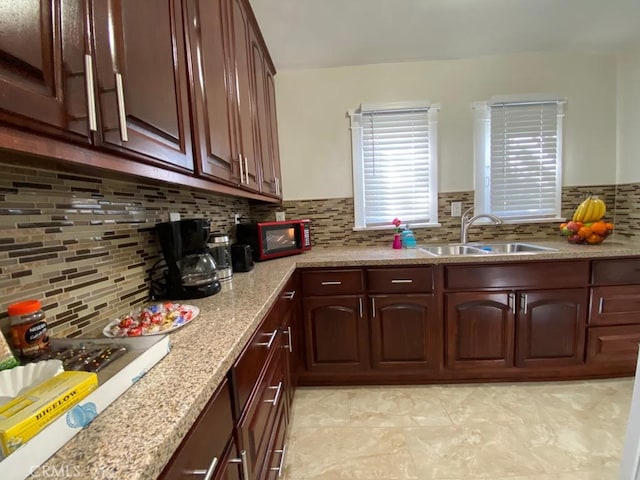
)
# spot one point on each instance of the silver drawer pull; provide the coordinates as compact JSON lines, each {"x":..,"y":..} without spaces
{"x":283,"y":452}
{"x":278,"y":389}
{"x":600,"y":305}
{"x":401,"y":281}
{"x":271,"y":339}
{"x":331,"y":283}
{"x":289,"y":295}
{"x":289,"y":345}
{"x":242,"y":461}
{"x":208,"y":473}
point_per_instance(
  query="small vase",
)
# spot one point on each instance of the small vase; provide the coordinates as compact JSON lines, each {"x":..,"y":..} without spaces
{"x":397,"y":242}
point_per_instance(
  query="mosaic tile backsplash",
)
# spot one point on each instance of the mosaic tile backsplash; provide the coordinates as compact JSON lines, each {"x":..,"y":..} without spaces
{"x":84,"y":244}
{"x":332,"y":219}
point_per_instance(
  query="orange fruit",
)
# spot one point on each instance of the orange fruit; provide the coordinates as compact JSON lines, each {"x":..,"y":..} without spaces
{"x":593,"y":239}
{"x":599,"y":227}
{"x":609,"y":226}
{"x":585,"y":232}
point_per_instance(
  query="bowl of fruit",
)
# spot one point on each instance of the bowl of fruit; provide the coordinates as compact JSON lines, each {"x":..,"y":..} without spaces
{"x":587,"y":225}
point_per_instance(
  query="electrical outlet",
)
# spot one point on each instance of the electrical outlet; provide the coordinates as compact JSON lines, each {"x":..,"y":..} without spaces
{"x":279,"y":216}
{"x":174,"y":216}
{"x":236,"y":218}
{"x":456,"y":209}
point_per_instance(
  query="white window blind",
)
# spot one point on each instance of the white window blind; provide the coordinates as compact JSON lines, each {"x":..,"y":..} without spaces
{"x":519,"y":159}
{"x":394,"y":166}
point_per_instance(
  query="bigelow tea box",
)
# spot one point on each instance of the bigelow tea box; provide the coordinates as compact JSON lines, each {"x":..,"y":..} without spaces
{"x":24,"y":416}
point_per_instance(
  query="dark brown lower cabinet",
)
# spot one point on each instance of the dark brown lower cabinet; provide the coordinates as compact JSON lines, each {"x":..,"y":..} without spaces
{"x":404,"y":332}
{"x":336,"y":334}
{"x":532,"y":328}
{"x":479,"y":330}
{"x":550,"y":327}
{"x":613,"y":345}
{"x":209,"y":443}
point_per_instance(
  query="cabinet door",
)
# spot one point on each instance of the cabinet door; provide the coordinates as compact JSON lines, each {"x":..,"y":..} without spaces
{"x":336,"y":336}
{"x":240,"y":26}
{"x":211,"y":78}
{"x":404,"y":332}
{"x":551,"y":327}
{"x":42,"y":66}
{"x":207,"y":440}
{"x":272,"y":131}
{"x":479,"y":329}
{"x":141,"y":43}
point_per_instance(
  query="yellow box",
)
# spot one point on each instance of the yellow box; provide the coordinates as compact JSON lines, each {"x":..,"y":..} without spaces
{"x":24,"y":416}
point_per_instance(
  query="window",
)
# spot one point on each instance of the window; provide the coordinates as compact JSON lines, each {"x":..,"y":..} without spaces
{"x":394,"y":164}
{"x":518,"y":158}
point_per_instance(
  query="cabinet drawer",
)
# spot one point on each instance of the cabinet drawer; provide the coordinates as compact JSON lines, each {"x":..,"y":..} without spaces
{"x":400,"y":280}
{"x":615,"y":305}
{"x":613,"y":344}
{"x":616,"y":272}
{"x":207,"y":439}
{"x":257,"y":423}
{"x":277,"y":449}
{"x":521,"y":275}
{"x":332,"y":282}
{"x":248,"y":367}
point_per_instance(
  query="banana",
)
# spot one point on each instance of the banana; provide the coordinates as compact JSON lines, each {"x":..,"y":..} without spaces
{"x":588,"y":213}
{"x":601,"y":210}
{"x":579,"y":214}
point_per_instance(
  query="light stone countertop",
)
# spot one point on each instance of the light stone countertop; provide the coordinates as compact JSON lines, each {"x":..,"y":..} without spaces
{"x":137,"y":434}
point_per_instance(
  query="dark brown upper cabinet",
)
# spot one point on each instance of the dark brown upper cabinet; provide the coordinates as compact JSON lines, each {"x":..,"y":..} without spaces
{"x":141,"y":79}
{"x":43,"y":65}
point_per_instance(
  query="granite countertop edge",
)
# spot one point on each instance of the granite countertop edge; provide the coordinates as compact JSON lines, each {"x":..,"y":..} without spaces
{"x":138,"y":433}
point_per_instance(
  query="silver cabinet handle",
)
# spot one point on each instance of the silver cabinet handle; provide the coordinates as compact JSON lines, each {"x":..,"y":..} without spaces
{"x":241,"y":169}
{"x":91,"y":96}
{"x":208,"y":473}
{"x":283,"y":452}
{"x":246,"y":169}
{"x":600,"y":305}
{"x":289,"y":295}
{"x":373,"y":307}
{"x":289,"y":345}
{"x":243,"y":462}
{"x":278,"y":389}
{"x":122,"y":114}
{"x":523,"y":299}
{"x":360,"y":306}
{"x":401,"y":281}
{"x":512,"y":302}
{"x":277,"y":180}
{"x":271,"y":339}
{"x":331,"y":283}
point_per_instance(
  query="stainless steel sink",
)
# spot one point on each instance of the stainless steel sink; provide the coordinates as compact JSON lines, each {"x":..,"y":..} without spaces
{"x":497,"y":248}
{"x":451,"y":250}
{"x":512,"y":247}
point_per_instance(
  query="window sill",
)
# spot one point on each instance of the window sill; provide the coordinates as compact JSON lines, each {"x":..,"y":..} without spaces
{"x":412,"y":226}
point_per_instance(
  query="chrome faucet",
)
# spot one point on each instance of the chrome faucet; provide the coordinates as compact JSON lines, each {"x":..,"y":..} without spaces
{"x":466,"y":222}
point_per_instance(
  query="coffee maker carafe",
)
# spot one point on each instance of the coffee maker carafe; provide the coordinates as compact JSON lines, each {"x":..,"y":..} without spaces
{"x":190,"y":269}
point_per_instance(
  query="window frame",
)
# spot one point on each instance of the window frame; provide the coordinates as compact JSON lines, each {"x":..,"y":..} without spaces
{"x":483,"y":160}
{"x":356,"y":128}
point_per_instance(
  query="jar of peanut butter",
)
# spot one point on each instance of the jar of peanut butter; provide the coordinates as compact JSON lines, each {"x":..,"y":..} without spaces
{"x":28,"y":328}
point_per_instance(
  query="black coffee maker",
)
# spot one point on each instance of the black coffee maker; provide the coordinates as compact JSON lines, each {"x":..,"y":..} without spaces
{"x":189,"y":270}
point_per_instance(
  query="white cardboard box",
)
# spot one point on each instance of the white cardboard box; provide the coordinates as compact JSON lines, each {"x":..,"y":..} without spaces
{"x":143,"y":353}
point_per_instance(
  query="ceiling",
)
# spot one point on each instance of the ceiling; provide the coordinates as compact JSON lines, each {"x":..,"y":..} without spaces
{"x":304,"y":34}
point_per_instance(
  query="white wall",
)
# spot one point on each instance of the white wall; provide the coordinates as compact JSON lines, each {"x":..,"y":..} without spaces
{"x":314,"y":130}
{"x":628,"y":151}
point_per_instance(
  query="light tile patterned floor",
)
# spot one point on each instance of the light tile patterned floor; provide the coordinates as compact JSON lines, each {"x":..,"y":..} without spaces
{"x":541,"y":431}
